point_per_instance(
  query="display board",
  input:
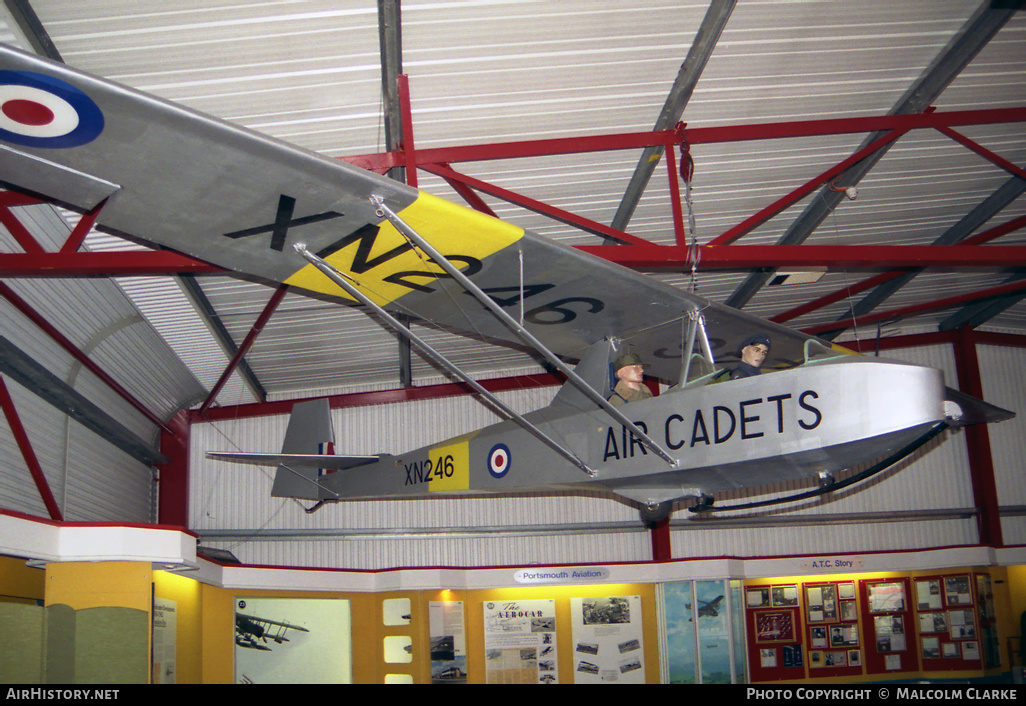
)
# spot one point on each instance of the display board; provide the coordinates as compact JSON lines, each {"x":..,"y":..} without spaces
{"x":293,"y":641}
{"x":520,"y":642}
{"x":774,"y":625}
{"x":447,"y":633}
{"x":849,"y":627}
{"x":608,"y":645}
{"x":889,"y":622}
{"x":948,"y":626}
{"x":832,"y":624}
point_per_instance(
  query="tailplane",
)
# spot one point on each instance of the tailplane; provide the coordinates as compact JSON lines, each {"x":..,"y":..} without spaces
{"x":306,"y":455}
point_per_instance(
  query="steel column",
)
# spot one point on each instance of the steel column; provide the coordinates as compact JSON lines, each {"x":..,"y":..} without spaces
{"x":977,"y":437}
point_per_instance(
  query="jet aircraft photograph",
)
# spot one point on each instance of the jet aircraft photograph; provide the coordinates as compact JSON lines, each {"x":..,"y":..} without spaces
{"x":633,"y":369}
{"x":708,"y":609}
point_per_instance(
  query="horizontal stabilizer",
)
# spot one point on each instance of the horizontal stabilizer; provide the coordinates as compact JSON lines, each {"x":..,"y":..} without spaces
{"x":302,"y":461}
{"x":971,"y":410}
{"x":333,"y":462}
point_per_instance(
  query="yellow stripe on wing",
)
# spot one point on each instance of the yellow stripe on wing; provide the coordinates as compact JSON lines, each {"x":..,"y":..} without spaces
{"x":380,"y":259}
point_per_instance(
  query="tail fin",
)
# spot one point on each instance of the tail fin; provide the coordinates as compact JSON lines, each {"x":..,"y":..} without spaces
{"x":306,"y":455}
{"x":308,"y":432}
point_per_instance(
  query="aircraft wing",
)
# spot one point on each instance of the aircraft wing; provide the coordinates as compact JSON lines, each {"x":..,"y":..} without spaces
{"x":180,"y":180}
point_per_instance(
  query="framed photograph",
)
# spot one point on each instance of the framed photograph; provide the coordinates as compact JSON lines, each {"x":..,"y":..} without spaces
{"x":933,"y":622}
{"x":957,"y":590}
{"x":928,"y":594}
{"x":821,"y":603}
{"x":961,"y":625}
{"x":774,"y":626}
{"x":757,"y":597}
{"x":844,"y":635}
{"x":931,"y":648}
{"x":784,"y":596}
{"x":886,"y":597}
{"x":890,"y":633}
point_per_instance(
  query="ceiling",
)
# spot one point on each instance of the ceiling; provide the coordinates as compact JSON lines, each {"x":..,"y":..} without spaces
{"x":745,"y":78}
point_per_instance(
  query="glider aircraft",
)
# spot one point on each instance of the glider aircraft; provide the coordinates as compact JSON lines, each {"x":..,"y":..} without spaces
{"x":170,"y":177}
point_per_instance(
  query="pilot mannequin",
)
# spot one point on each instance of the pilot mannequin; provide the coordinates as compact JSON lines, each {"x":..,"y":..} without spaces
{"x":630,"y":386}
{"x":752,"y":351}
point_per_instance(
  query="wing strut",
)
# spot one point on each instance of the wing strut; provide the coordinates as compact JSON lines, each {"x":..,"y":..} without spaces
{"x":342,"y":281}
{"x":695,"y":323}
{"x":509,"y":321}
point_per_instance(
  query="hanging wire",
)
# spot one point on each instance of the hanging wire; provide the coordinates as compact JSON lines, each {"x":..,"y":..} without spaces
{"x":687,"y":172}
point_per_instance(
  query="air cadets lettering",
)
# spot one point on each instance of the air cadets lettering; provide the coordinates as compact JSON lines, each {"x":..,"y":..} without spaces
{"x":628,"y":442}
{"x":751,"y":419}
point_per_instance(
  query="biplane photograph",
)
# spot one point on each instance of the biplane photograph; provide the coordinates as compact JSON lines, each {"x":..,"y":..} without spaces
{"x":378,"y":284}
{"x":256,"y":633}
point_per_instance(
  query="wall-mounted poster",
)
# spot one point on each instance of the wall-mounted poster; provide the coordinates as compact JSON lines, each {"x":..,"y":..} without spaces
{"x":520,"y":642}
{"x":293,"y":641}
{"x":608,"y":646}
{"x":165,"y":640}
{"x":448,"y":642}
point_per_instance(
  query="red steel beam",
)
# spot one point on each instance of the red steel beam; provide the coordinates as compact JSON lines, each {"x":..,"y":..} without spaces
{"x":977,"y":438}
{"x":368,"y":399}
{"x":91,"y":264}
{"x":534,"y":205}
{"x":983,"y":152}
{"x":848,"y":256}
{"x":406,"y":120}
{"x":694,"y":136}
{"x":258,"y":327}
{"x":82,"y":228}
{"x":906,"y":311}
{"x":760,"y":217}
{"x":173,"y":479}
{"x":828,"y":299}
{"x":14,"y":421}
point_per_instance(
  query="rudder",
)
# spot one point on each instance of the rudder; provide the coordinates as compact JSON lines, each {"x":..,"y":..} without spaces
{"x":309,"y":429}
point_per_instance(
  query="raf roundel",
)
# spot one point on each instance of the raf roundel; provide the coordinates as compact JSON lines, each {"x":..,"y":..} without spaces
{"x":40,"y":111}
{"x":499,"y":460}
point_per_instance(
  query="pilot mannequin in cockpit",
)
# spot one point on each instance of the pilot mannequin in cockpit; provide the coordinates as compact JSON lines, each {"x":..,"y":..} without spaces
{"x":630,"y":386}
{"x":752,"y":351}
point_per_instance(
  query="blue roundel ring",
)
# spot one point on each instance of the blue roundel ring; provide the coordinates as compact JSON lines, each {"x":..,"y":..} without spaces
{"x":499,"y":460}
{"x":37,"y":110}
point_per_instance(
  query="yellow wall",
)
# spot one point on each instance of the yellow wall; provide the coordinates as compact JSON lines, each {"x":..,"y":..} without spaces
{"x":19,"y":583}
{"x":80,"y":585}
{"x":186,"y":593}
{"x":369,"y":631}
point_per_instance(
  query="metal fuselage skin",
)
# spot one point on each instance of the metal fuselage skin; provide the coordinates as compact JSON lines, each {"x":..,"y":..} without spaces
{"x":786,"y":425}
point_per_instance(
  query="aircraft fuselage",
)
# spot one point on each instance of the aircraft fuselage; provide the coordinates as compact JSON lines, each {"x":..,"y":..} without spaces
{"x":779,"y":426}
